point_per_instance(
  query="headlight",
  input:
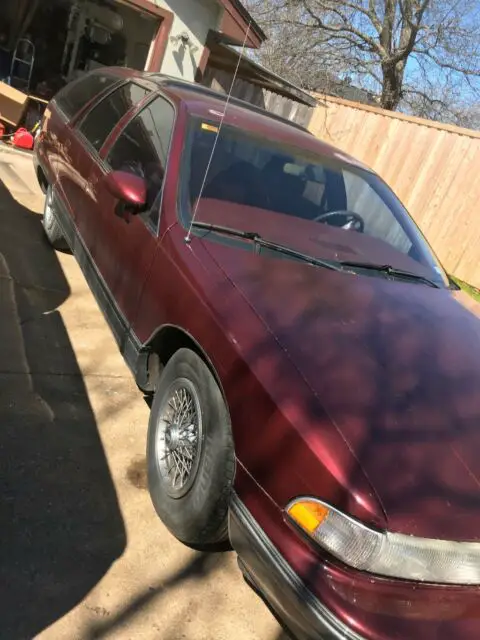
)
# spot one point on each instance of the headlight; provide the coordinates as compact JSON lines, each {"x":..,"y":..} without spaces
{"x":386,"y":554}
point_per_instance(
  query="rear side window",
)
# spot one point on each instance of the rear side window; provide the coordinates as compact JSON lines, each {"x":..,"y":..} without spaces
{"x":72,"y":98}
{"x":100,"y":121}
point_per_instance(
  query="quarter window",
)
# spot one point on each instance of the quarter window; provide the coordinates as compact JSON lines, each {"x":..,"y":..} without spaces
{"x":72,"y":98}
{"x":100,"y":121}
{"x":142,"y":149}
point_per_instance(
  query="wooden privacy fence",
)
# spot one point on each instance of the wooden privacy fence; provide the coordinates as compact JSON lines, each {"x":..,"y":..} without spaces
{"x":433,"y":168}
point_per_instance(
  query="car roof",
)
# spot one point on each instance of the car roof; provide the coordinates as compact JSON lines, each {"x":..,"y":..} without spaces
{"x":203,"y":102}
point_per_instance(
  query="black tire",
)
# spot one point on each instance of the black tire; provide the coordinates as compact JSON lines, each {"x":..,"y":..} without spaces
{"x":198,"y":517}
{"x":50,"y":223}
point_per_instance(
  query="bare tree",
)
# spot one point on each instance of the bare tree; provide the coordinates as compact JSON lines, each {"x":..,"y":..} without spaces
{"x":290,"y":51}
{"x":398,"y":48}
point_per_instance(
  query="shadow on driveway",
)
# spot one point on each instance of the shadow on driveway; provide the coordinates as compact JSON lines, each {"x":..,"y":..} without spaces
{"x":61,"y":527}
{"x":199,"y":568}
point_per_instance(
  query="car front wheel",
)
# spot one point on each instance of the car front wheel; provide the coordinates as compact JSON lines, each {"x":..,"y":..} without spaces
{"x":190,"y":453}
{"x":50,"y":222}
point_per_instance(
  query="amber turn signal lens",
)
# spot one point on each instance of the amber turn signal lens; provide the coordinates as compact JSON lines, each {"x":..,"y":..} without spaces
{"x":308,"y":515}
{"x":395,"y":555}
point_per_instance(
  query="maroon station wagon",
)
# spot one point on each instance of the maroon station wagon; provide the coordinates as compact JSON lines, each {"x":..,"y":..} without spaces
{"x":315,"y":375}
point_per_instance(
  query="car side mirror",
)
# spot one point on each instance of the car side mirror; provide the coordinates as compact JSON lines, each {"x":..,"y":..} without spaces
{"x":131,"y":191}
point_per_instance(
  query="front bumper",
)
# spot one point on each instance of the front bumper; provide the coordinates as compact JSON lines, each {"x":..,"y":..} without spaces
{"x":292,"y":602}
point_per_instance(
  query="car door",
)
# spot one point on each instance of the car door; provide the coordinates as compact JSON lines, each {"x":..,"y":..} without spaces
{"x":125,"y":248}
{"x":92,"y":131}
{"x":64,"y":155}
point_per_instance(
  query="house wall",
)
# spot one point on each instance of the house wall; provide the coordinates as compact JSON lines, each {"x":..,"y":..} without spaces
{"x":195,"y":17}
{"x":432,"y":167}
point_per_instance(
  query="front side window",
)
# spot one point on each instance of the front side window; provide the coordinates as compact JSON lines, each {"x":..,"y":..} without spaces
{"x":142,"y":149}
{"x":262,"y":184}
{"x":99,"y":122}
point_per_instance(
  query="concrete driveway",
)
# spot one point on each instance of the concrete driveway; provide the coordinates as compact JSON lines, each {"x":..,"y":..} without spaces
{"x":82,"y":553}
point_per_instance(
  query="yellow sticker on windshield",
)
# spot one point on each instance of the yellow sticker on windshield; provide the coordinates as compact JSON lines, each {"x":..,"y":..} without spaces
{"x":209,"y":127}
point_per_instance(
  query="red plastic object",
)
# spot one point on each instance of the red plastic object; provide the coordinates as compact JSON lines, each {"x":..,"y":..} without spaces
{"x":23,"y":139}
{"x":2,"y":130}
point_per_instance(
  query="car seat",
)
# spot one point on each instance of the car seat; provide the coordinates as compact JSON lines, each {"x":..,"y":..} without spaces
{"x":239,"y":183}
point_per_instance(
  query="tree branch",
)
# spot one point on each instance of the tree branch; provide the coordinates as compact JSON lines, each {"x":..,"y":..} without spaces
{"x":425,"y":96}
{"x":346,"y":27}
{"x":447,"y":65}
{"x":373,"y":16}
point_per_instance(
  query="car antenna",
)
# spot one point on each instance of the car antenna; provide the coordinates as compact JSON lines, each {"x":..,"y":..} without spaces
{"x":188,"y":236}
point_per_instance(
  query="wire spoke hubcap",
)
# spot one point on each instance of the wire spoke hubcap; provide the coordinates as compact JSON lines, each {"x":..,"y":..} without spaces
{"x":179,"y":437}
{"x":47,"y":211}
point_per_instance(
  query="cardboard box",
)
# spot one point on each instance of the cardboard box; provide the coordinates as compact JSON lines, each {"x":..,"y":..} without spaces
{"x":12,"y":104}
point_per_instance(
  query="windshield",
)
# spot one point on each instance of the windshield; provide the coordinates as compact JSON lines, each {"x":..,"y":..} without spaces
{"x":322,"y":205}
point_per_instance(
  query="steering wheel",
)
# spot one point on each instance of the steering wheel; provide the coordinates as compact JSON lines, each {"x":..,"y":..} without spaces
{"x":352,"y":220}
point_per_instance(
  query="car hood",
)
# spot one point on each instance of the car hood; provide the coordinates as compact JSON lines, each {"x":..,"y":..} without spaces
{"x":396,"y":366}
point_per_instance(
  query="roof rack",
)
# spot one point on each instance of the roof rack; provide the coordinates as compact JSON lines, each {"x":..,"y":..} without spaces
{"x":200,"y":89}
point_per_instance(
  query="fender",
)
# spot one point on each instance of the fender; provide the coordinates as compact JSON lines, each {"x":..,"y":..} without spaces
{"x":154,"y":354}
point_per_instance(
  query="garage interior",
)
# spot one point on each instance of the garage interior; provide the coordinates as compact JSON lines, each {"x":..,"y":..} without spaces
{"x":61,"y":39}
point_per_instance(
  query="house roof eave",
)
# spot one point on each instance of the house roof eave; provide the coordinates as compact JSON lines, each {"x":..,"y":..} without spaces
{"x":223,"y":56}
{"x":235,"y":22}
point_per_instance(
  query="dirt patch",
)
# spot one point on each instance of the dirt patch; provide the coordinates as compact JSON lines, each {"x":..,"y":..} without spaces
{"x":99,"y":611}
{"x":137,"y":473}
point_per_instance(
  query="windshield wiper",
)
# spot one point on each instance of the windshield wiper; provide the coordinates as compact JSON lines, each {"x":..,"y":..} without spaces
{"x":391,"y":271}
{"x":228,"y":231}
{"x":257,"y":239}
